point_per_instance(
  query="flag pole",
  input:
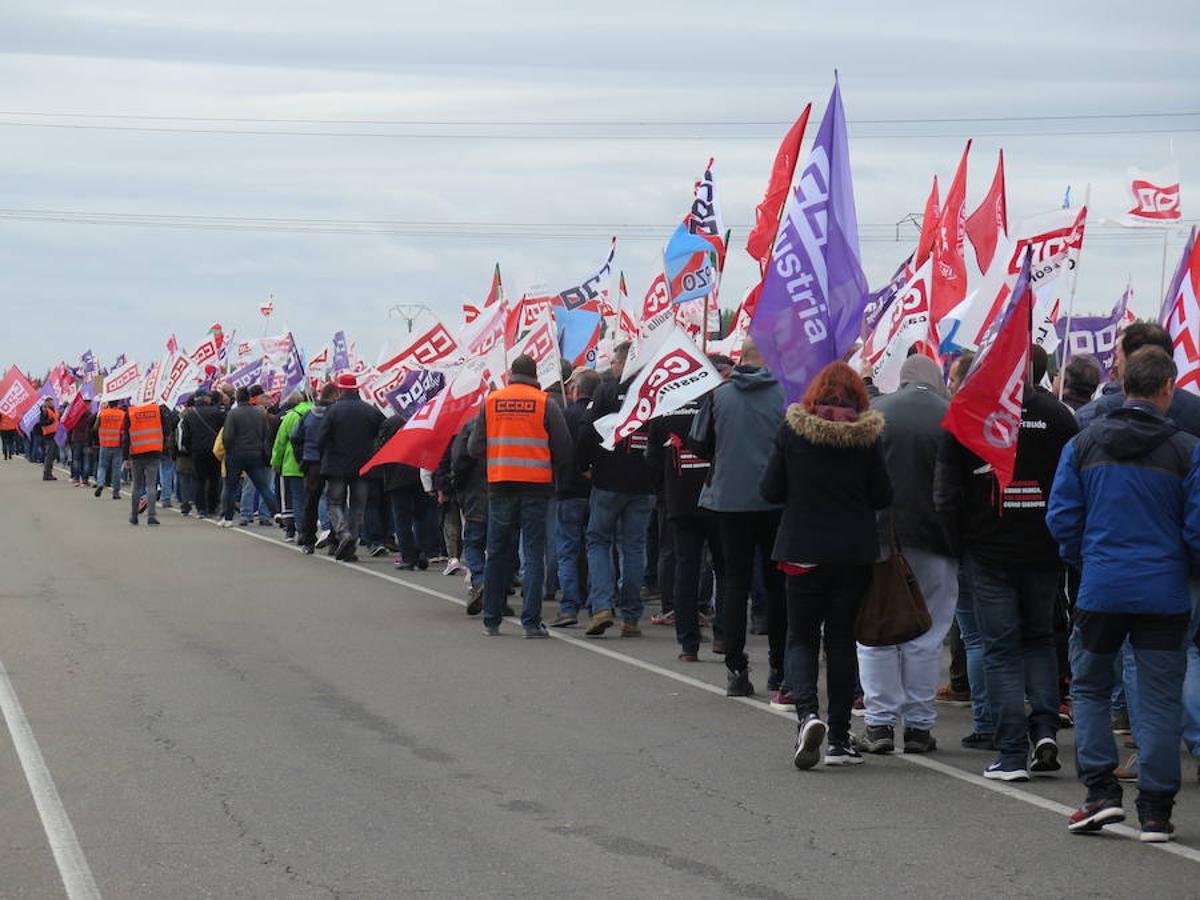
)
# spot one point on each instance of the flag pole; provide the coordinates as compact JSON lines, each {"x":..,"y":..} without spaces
{"x":1066,"y":355}
{"x":714,"y":293}
{"x":1162,"y":278}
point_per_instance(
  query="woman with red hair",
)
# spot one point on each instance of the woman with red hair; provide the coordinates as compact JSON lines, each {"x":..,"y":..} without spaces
{"x":828,"y":470}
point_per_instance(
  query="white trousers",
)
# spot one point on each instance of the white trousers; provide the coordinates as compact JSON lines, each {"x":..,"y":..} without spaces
{"x":899,"y":682}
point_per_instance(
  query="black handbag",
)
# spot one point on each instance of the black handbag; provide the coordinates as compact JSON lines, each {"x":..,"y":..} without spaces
{"x":893,"y":608}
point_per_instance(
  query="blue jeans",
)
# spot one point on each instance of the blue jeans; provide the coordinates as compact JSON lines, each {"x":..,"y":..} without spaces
{"x":617,"y":520}
{"x":1157,"y":644}
{"x":109,"y":469}
{"x":968,"y":628}
{"x":572,"y":516}
{"x":166,"y":479}
{"x":1014,"y":608}
{"x":293,"y":490}
{"x":511,"y":513}
{"x":79,"y":461}
{"x":258,"y":475}
{"x":474,"y":541}
{"x":1191,"y":682}
{"x":187,"y":491}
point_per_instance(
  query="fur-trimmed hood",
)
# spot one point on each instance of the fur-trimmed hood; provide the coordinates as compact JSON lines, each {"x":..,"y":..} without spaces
{"x":862,"y":432}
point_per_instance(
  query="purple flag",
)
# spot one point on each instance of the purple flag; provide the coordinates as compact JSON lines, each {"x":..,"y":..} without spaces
{"x":879,"y":301}
{"x":293,"y":370}
{"x":29,"y":421}
{"x":814,"y":292}
{"x":249,"y":374}
{"x":1094,"y":336}
{"x":341,"y":355}
{"x":412,"y":393}
{"x":89,"y":367}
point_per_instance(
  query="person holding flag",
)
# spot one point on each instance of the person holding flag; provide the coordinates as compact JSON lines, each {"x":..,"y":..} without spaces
{"x":47,"y":426}
{"x":992,"y":477}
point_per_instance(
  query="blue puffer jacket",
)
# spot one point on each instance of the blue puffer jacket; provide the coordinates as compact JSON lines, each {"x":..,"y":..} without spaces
{"x":1126,"y":508}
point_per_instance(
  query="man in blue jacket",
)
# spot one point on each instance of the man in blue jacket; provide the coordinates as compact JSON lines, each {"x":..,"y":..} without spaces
{"x":1125,"y":508}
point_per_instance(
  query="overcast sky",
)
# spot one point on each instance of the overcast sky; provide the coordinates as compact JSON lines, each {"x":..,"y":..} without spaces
{"x":116,"y":288}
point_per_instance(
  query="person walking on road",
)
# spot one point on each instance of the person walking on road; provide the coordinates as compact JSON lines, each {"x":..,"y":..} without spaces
{"x":197,"y":438}
{"x":346,"y":441}
{"x":247,"y":443}
{"x":113,"y":433}
{"x":146,"y":442}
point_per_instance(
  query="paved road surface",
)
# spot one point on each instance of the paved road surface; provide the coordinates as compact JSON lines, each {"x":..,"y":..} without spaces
{"x":223,"y":716}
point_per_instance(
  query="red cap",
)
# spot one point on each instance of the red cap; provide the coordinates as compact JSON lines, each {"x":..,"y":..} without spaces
{"x":347,"y":382}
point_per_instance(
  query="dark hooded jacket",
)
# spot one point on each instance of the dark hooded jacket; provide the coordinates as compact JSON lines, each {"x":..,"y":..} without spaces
{"x":1125,"y":507}
{"x":830,"y":477}
{"x":1184,"y":411}
{"x":468,"y":476}
{"x":622,"y":469}
{"x":676,"y":472}
{"x":734,"y":430}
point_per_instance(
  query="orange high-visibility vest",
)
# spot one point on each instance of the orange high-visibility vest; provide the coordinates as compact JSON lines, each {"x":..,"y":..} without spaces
{"x":111,"y":422}
{"x":8,"y":423}
{"x":518,"y":446}
{"x":48,"y":430}
{"x":145,"y":430}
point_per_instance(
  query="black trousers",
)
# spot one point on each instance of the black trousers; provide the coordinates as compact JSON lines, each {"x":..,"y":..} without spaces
{"x":208,"y":483}
{"x":745,"y":535}
{"x":314,"y":484}
{"x":666,"y":566}
{"x":689,"y":535}
{"x":9,"y":439}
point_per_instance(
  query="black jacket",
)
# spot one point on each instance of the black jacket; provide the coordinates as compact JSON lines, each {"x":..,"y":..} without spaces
{"x":393,"y":475}
{"x":347,"y":437}
{"x":911,"y":439}
{"x":675,"y":471}
{"x":1006,"y":530}
{"x":622,"y":469}
{"x":831,"y":477}
{"x":1184,"y":411}
{"x":575,"y":486}
{"x":200,"y":429}
{"x":468,"y":476}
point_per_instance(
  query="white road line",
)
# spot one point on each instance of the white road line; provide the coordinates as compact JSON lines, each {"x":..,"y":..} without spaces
{"x":1005,"y":790}
{"x":72,"y":865}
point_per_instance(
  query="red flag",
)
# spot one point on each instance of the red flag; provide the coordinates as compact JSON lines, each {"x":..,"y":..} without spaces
{"x":17,"y":395}
{"x":74,"y":411}
{"x":435,"y":345}
{"x":990,"y":220}
{"x":766,"y":215}
{"x":929,"y":223}
{"x":985,"y":414}
{"x":424,"y":438}
{"x":497,"y":290}
{"x":470,"y":312}
{"x":949,"y":267}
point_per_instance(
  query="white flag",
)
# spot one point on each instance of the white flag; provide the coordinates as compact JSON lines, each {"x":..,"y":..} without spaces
{"x":905,"y":322}
{"x":122,"y":383}
{"x":1154,"y":197}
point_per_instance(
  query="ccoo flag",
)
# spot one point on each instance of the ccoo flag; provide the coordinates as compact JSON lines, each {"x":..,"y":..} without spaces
{"x":814,"y":291}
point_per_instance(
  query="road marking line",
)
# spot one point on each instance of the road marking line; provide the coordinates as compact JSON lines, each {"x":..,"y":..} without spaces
{"x":1005,"y":790}
{"x":72,"y":864}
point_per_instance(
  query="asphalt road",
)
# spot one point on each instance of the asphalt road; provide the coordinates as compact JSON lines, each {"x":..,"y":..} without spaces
{"x":222,"y":716}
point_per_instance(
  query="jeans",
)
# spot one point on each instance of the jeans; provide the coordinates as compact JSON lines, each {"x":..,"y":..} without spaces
{"x":511,"y":513}
{"x":293,"y":492}
{"x":745,"y":537}
{"x":690,"y":533}
{"x":900,"y":682}
{"x":166,"y":479}
{"x":251,"y":500}
{"x":551,"y":584}
{"x":825,"y":599}
{"x":572,"y":516}
{"x":108,"y":469}
{"x":187,"y":491}
{"x":145,"y":480}
{"x":968,"y":629}
{"x":474,"y":550}
{"x":259,"y":476}
{"x":79,"y":462}
{"x":1157,"y":643}
{"x":1014,"y":608}
{"x":620,"y":520}
{"x":347,"y":526}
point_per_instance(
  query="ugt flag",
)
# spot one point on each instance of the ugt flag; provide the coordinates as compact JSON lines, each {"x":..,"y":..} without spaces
{"x":985,"y":414}
{"x":814,"y":291}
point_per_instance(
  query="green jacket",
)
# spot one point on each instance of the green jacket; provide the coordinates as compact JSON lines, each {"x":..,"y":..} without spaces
{"x":283,"y":457}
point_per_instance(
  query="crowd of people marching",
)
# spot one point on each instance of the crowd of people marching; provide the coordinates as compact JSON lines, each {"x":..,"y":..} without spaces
{"x":1069,"y":596}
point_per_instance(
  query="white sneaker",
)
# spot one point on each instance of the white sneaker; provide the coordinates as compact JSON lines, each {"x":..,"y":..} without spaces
{"x":225,"y":523}
{"x":453,"y":566}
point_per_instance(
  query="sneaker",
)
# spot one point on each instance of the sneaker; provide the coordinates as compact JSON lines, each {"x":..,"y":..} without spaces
{"x":345,"y":549}
{"x":947,"y":694}
{"x":843,"y":754}
{"x":437,"y":559}
{"x":1066,"y":719}
{"x":1129,"y":771}
{"x":1157,"y":831}
{"x":565,"y":620}
{"x":630,"y":630}
{"x":601,"y":622}
{"x":809,"y":738}
{"x":737,"y":684}
{"x":667,"y":618}
{"x":401,"y":565}
{"x":999,"y":771}
{"x":133,"y":520}
{"x":475,"y":601}
{"x":377,"y":550}
{"x":491,"y":630}
{"x":116,"y":496}
{"x":859,"y":708}
{"x":152,"y":521}
{"x":691,"y":658}
{"x":1095,"y":814}
{"x":307,"y":549}
{"x":783,"y":699}
{"x":1120,"y":722}
{"x":1045,"y":757}
{"x":537,"y":631}
{"x":919,"y":740}
{"x":98,"y":491}
{"x":225,"y":523}
{"x":422,"y":564}
{"x":453,"y":567}
{"x":323,"y":539}
{"x":243,"y":523}
{"x":877,"y":739}
{"x":977,"y":741}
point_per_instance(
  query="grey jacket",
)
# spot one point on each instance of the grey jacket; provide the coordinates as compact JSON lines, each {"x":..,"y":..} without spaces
{"x":247,"y":432}
{"x":736,"y":430}
{"x":910,"y":446}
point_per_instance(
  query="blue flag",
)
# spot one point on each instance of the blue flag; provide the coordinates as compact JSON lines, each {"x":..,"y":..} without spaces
{"x":688,"y":263}
{"x":814,"y":292}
